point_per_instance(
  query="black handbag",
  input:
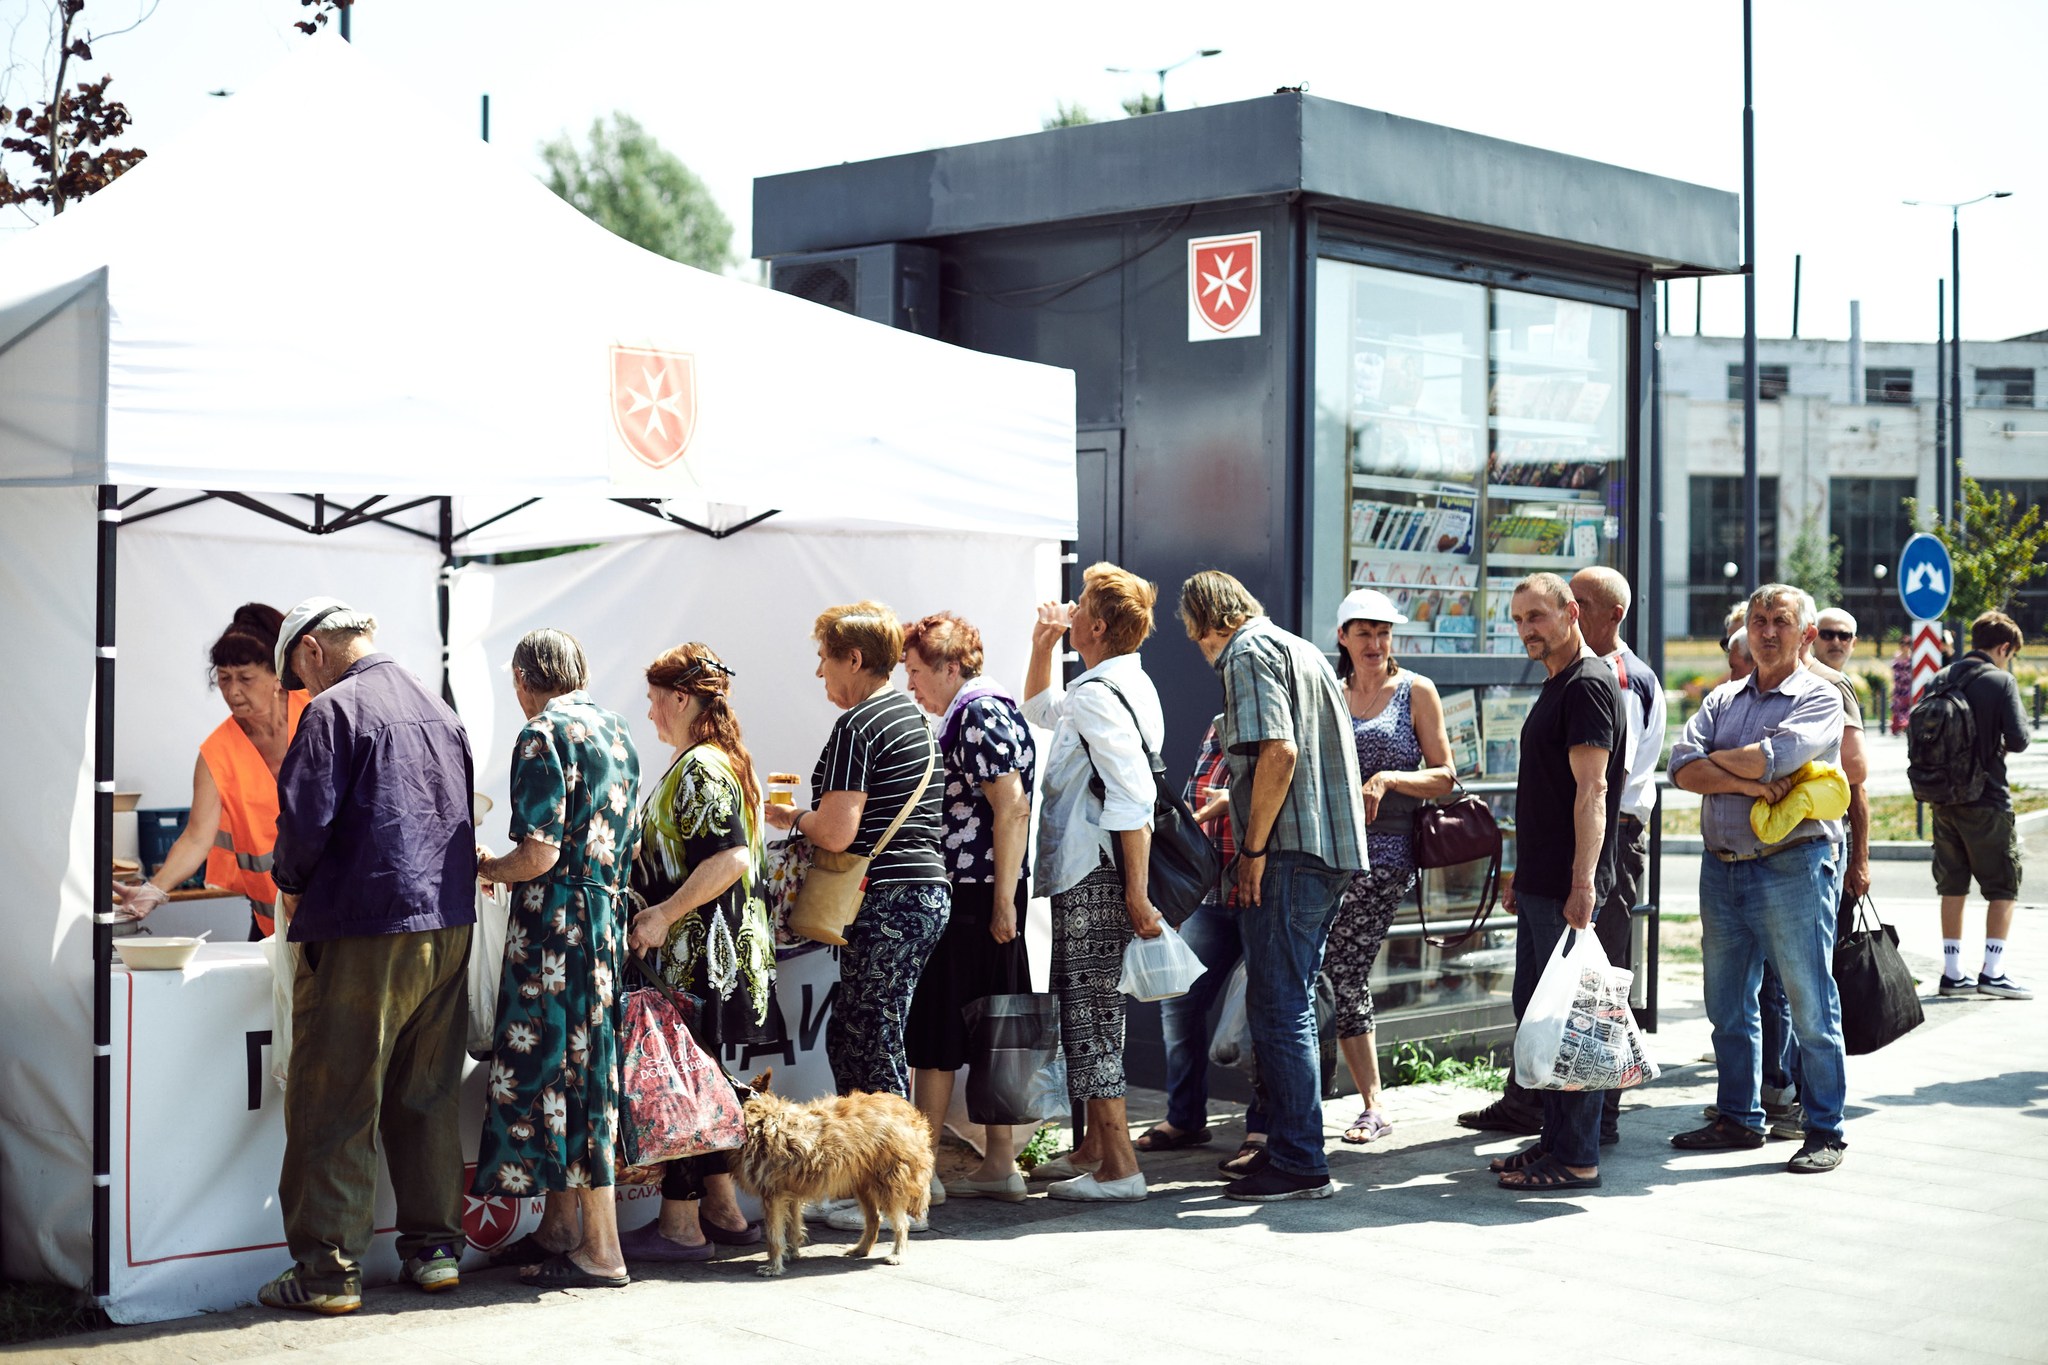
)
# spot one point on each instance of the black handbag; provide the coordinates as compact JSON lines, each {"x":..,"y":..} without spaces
{"x":1460,"y":829}
{"x":1880,"y":1001}
{"x":1184,"y":867}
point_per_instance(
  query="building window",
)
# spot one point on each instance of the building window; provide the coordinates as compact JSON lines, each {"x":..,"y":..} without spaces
{"x":2005,"y":388}
{"x":1867,"y":517}
{"x":1716,"y":540}
{"x":1888,"y":386}
{"x":1771,"y":382}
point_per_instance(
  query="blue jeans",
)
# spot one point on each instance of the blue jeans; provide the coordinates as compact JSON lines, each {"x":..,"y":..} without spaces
{"x":1283,"y":951}
{"x":1212,"y":933}
{"x":1779,"y":909}
{"x":1781,"y":1049}
{"x":1571,"y":1118}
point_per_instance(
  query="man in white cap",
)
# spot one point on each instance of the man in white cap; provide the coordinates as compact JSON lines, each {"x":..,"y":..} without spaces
{"x":376,"y":860}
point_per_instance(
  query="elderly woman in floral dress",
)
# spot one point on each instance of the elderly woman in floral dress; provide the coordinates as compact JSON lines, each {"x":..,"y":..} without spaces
{"x":697,"y":883}
{"x":553,"y":1107}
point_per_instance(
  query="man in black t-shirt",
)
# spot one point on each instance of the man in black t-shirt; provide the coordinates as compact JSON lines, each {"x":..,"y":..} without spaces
{"x":1567,"y":804}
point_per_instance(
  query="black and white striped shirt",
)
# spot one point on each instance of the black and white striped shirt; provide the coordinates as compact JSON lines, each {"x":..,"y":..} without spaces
{"x":881,"y":747}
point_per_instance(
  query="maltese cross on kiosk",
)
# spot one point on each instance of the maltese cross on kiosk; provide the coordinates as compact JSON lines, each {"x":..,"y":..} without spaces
{"x":654,"y":402}
{"x":1223,"y":286}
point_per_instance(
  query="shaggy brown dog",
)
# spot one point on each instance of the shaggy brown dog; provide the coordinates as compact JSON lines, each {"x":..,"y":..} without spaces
{"x":873,"y":1148}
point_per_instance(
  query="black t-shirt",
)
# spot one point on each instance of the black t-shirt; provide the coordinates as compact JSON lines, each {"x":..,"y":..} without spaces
{"x":1581,"y":705}
{"x":880,"y":747}
{"x":1993,"y":697}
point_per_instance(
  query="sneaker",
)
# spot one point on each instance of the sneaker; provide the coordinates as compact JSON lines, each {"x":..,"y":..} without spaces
{"x":1817,"y":1155}
{"x":1269,"y":1185}
{"x":1789,"y":1122}
{"x":852,"y":1219}
{"x":1501,"y":1117}
{"x":289,"y":1291}
{"x":433,"y":1270}
{"x":1957,"y":985}
{"x":2001,"y":986}
{"x":938,"y":1194}
{"x":1010,"y":1189}
{"x":1086,"y":1189}
{"x":822,"y":1211}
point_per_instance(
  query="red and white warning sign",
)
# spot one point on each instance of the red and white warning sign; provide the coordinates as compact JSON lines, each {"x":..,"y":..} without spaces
{"x":1223,"y":286}
{"x":1926,"y":638}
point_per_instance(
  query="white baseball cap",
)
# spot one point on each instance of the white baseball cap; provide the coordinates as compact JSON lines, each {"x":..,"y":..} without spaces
{"x":297,"y":622}
{"x":1368,"y":604}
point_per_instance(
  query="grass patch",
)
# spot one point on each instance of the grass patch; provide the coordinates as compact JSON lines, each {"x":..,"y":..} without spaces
{"x":1043,"y":1145}
{"x":1891,"y":817}
{"x":30,"y":1312}
{"x":1418,"y":1064}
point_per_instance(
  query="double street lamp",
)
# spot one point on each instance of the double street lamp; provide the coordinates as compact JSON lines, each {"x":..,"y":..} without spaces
{"x":1955,"y":376}
{"x":1161,"y":71}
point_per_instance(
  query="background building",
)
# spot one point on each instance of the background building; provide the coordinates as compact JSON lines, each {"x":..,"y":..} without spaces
{"x":1845,"y":434}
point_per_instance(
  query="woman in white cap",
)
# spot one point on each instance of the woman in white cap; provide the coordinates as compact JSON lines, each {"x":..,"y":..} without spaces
{"x":1404,"y":758}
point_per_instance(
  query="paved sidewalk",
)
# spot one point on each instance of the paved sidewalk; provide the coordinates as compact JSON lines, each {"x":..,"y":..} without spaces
{"x":1927,"y":1244}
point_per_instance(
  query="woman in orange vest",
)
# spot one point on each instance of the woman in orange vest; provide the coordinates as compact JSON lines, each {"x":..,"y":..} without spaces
{"x":233,"y":824}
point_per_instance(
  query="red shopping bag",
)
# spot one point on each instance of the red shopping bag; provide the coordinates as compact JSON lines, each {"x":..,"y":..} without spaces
{"x":676,"y":1100}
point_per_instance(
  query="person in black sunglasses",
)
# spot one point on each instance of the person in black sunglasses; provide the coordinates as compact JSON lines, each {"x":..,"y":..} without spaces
{"x":1837,"y":639}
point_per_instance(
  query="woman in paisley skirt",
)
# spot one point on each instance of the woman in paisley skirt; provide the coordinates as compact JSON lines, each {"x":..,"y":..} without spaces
{"x":1404,"y":757}
{"x":553,"y":1103}
{"x":697,"y":881}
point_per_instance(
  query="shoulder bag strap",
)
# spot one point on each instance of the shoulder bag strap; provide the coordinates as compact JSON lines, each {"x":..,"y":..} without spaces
{"x":1489,"y":892}
{"x":931,"y":761}
{"x":1156,"y":763}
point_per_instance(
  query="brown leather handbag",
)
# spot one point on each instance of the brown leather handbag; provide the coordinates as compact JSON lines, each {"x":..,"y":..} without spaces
{"x":1460,"y":829}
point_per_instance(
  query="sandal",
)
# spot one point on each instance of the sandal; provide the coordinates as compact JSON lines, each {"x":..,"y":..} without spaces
{"x":1247,"y":1157}
{"x":1370,"y":1126}
{"x":1547,"y":1175}
{"x":1157,"y":1139}
{"x":526,"y":1251}
{"x":1520,"y":1161}
{"x":559,"y":1272}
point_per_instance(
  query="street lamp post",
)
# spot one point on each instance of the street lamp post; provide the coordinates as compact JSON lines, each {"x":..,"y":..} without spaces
{"x":1955,"y":303}
{"x":1161,"y":71}
{"x":1878,"y":573}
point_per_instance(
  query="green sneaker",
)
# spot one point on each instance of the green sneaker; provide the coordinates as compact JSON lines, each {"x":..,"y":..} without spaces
{"x":433,"y":1270}
{"x":290,"y":1292}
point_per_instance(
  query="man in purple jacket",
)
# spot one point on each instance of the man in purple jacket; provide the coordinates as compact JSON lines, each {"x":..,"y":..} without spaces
{"x":376,"y":860}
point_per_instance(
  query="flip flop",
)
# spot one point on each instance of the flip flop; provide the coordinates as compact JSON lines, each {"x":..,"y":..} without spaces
{"x":1157,"y":1139}
{"x":1547,"y":1176}
{"x":526,"y":1251}
{"x":1371,"y":1124}
{"x":559,"y":1272}
{"x":1520,"y":1161}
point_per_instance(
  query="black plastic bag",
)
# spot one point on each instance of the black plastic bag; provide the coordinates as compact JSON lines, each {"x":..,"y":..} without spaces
{"x":1016,"y":1072}
{"x":1880,"y":1002}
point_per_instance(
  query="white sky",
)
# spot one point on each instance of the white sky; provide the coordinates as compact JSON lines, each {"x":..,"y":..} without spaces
{"x":1860,"y":103}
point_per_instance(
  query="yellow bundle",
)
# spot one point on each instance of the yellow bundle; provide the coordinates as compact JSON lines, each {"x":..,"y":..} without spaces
{"x":1820,"y":791}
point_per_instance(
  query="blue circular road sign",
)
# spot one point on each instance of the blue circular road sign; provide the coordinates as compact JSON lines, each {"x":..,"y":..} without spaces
{"x":1926,"y":577}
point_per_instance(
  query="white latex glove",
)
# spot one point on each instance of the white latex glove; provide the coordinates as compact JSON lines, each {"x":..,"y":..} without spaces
{"x":137,"y":900}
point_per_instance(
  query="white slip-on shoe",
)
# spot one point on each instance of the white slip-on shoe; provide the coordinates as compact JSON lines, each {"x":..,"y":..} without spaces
{"x":1010,"y":1189}
{"x":822,"y":1211}
{"x":1062,"y":1167}
{"x":1085,"y":1188}
{"x":851,"y":1219}
{"x":938,"y":1190}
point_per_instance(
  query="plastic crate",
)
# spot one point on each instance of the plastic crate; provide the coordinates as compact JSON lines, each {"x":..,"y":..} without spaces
{"x":155,"y":832}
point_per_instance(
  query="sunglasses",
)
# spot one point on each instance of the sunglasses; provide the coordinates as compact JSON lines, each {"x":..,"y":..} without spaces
{"x":1838,"y":635}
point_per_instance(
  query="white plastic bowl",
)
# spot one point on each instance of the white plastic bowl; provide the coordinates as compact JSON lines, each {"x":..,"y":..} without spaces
{"x":156,"y":954}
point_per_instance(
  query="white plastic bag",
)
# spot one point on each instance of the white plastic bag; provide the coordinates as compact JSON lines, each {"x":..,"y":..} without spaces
{"x":1159,"y":968}
{"x":1231,"y":1044}
{"x":487,"y":965}
{"x":1578,"y":1032}
{"x":283,"y":958}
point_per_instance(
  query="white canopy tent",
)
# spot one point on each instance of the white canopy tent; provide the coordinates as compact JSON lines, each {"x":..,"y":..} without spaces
{"x":356,"y":385}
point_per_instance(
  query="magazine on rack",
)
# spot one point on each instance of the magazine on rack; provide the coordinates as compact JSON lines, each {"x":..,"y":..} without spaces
{"x":1461,"y":723}
{"x":1501,"y":714}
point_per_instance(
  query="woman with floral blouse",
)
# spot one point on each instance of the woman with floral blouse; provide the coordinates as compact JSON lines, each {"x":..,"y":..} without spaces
{"x":553,"y":1105}
{"x":990,"y":763}
{"x":697,"y":883}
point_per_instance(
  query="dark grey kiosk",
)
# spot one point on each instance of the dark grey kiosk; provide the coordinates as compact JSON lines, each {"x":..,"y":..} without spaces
{"x":1319,"y":347}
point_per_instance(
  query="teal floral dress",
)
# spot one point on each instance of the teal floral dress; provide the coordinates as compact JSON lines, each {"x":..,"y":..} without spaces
{"x":553,"y":1102}
{"x":723,"y":953}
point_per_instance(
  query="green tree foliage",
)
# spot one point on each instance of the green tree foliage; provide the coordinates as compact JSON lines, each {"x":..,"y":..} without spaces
{"x":1814,"y":562}
{"x":627,"y":182}
{"x":1067,"y":115}
{"x":1997,"y":549}
{"x":1138,"y":105}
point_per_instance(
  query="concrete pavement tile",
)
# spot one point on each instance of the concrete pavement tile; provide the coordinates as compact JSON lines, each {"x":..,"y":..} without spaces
{"x":1970,"y":1335}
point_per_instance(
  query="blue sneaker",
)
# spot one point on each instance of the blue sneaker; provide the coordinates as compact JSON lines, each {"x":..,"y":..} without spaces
{"x":2001,"y":986}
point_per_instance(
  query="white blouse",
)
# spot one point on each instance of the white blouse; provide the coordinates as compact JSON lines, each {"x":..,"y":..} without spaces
{"x":1076,"y":829}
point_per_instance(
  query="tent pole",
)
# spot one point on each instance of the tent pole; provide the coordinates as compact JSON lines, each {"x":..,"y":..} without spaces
{"x":447,"y":582}
{"x":103,"y":895}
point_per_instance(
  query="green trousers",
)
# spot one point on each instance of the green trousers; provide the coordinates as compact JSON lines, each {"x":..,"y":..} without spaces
{"x":378,"y":1027}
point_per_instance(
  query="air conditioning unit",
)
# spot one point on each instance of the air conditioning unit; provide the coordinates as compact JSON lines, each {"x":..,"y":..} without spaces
{"x":895,"y":283}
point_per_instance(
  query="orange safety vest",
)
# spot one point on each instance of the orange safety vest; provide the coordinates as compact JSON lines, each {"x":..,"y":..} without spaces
{"x":240,"y":857}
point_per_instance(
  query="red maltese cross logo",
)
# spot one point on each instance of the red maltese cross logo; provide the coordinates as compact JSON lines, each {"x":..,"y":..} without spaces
{"x":654,"y":402}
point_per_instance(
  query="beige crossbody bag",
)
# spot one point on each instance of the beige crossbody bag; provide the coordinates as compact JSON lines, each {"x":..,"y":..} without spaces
{"x":833,"y":888}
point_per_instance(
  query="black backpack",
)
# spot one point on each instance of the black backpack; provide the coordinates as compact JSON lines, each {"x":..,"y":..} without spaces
{"x":1942,"y":758}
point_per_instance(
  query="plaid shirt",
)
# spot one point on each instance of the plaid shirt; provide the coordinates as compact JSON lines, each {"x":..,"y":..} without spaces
{"x":1211,"y":770}
{"x":1278,"y":686}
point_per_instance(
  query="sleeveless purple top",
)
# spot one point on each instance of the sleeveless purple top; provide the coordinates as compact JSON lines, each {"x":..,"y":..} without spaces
{"x":1387,"y":743}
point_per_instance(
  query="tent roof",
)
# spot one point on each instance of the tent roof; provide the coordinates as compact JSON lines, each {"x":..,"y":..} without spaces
{"x":320,"y":289}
